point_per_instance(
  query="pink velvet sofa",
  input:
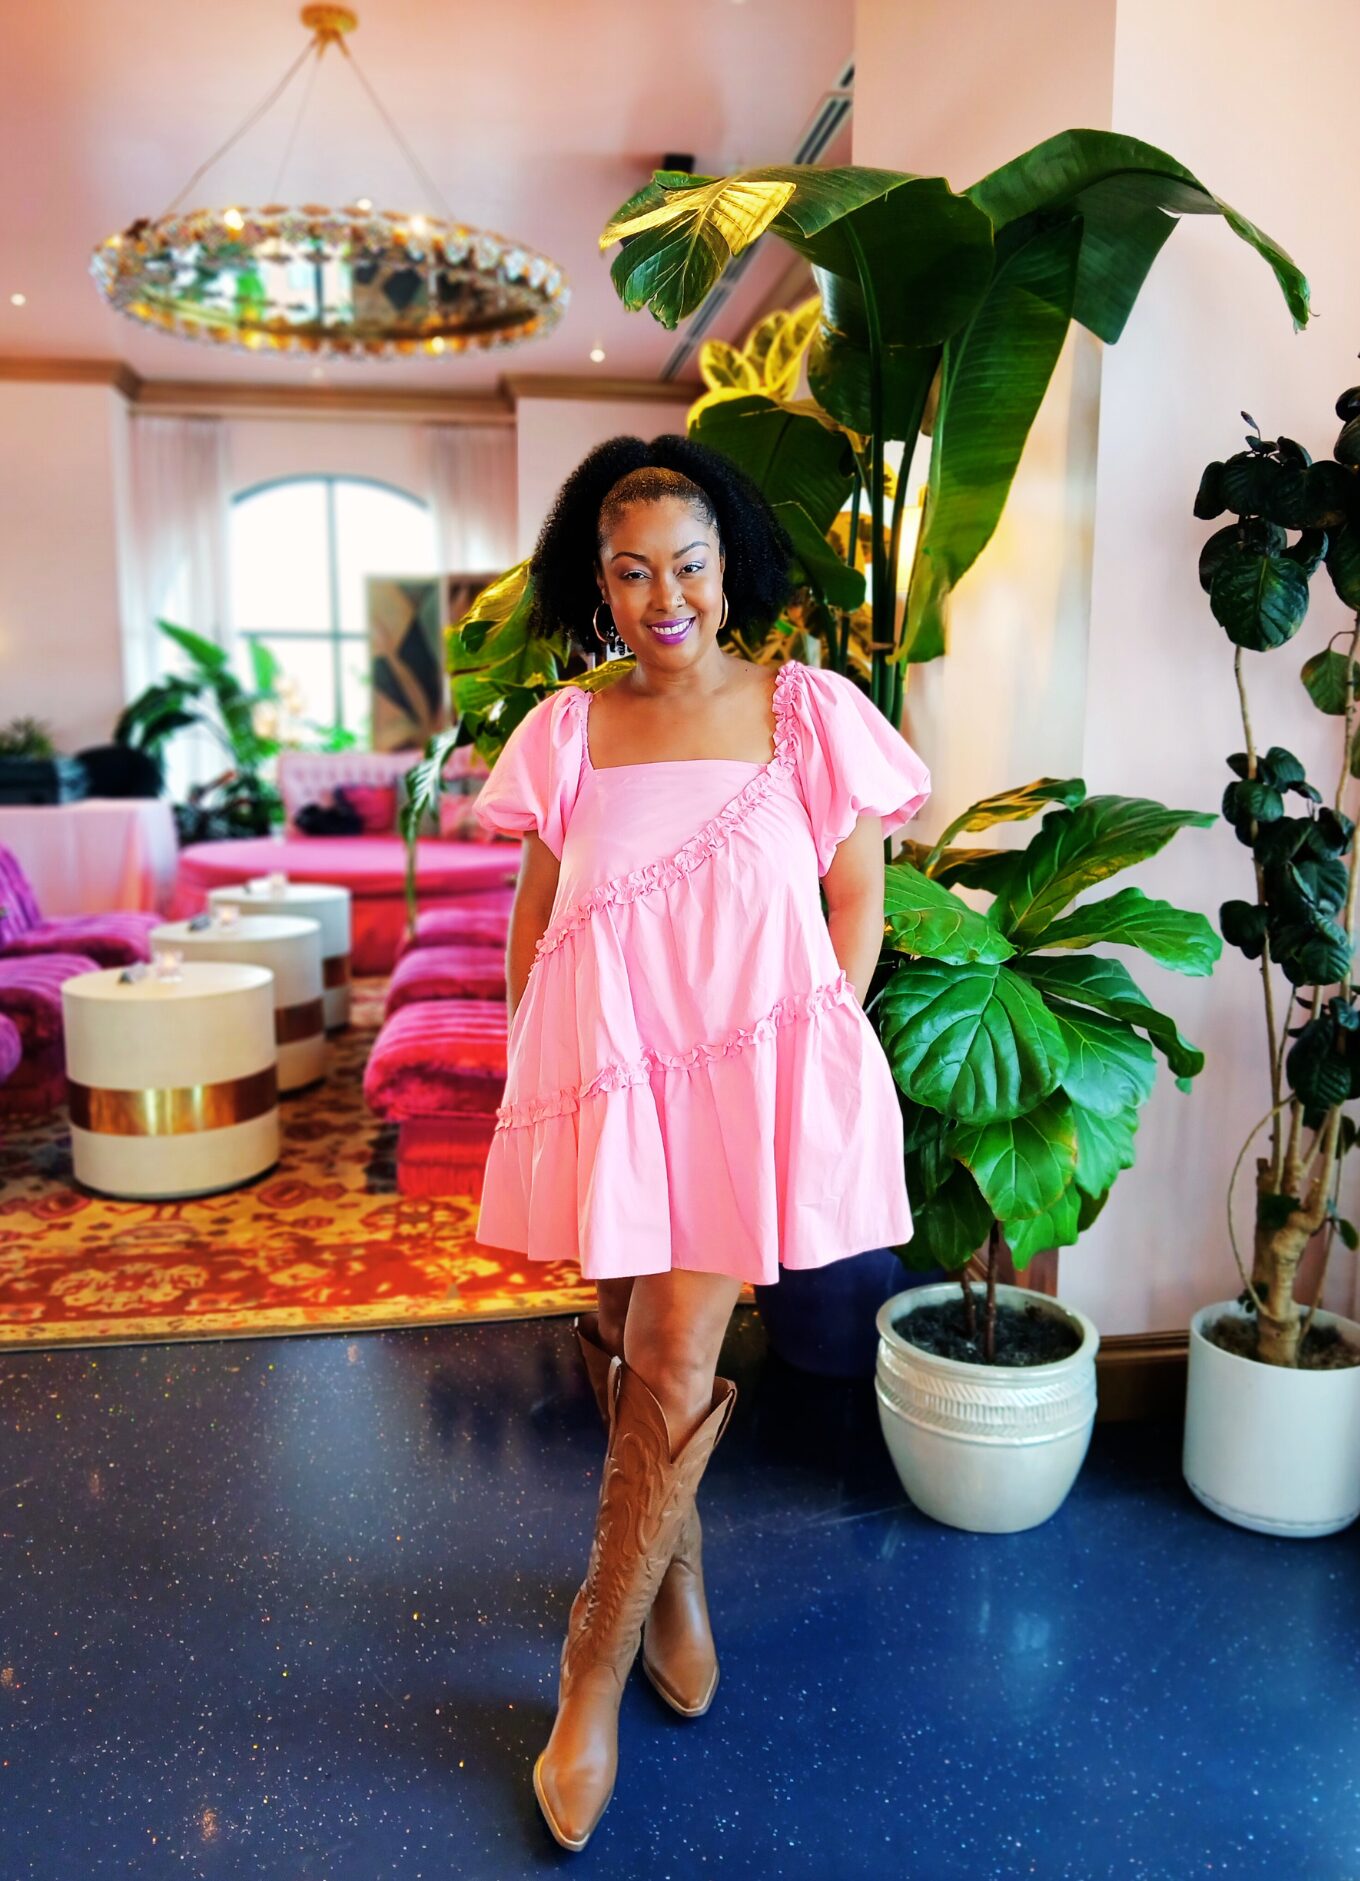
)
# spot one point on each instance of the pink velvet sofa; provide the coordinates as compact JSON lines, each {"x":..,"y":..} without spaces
{"x":113,"y":939}
{"x":373,"y":868}
{"x":30,"y":999}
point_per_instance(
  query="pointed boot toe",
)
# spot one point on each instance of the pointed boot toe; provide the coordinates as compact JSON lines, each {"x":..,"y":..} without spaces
{"x":572,"y":1800}
{"x":678,"y":1654}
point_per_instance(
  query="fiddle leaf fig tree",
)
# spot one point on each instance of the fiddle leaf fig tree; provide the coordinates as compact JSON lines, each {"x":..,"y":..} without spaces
{"x":1300,"y":925}
{"x":941,"y":313}
{"x":1022,"y":1059}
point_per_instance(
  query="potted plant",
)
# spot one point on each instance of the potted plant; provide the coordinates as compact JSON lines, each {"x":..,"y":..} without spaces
{"x":940,"y":313}
{"x":31,"y":771}
{"x":1272,"y":1429}
{"x":1023,"y":1060}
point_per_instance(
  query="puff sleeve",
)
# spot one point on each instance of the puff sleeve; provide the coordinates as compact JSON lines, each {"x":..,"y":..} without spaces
{"x":852,"y":762}
{"x":533,"y":783}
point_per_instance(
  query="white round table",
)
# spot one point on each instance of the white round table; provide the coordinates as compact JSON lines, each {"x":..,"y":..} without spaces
{"x":291,"y":950}
{"x":172,"y":1084}
{"x":326,"y":903}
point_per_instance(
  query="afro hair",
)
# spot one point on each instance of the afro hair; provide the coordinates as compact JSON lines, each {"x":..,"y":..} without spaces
{"x":756,"y":575}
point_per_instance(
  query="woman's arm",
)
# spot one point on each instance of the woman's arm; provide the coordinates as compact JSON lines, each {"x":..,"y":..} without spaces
{"x":854,"y":886}
{"x":534,"y":894}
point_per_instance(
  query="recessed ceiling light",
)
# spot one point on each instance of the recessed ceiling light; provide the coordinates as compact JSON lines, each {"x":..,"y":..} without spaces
{"x":234,"y":220}
{"x":18,"y":300}
{"x":596,"y":355}
{"x":364,"y":202}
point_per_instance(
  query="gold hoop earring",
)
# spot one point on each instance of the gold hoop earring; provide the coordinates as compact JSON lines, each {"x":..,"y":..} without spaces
{"x":723,"y":622}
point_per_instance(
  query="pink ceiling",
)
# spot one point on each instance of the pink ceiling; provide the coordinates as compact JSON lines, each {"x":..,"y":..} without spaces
{"x":534,"y":118}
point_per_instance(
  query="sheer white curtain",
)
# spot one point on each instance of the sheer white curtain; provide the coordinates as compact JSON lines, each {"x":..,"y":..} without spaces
{"x":473,"y":490}
{"x":178,"y":559}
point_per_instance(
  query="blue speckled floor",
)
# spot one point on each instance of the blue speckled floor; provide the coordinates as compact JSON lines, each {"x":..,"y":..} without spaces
{"x":292,"y":1607}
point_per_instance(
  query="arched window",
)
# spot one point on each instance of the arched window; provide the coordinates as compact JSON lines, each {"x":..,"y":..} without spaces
{"x":302,"y":549}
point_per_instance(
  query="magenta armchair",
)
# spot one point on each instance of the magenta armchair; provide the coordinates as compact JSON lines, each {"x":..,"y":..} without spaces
{"x":114,"y":939}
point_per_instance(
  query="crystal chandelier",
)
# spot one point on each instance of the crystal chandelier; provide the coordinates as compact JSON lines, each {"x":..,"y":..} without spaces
{"x":353,"y":283}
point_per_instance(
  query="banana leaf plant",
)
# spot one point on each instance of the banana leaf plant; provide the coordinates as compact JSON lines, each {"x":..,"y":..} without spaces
{"x":241,"y":802}
{"x":1022,"y":1059}
{"x":941,"y":312}
{"x":1301,"y":923}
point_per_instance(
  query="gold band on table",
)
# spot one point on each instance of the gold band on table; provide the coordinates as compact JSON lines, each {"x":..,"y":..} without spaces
{"x":176,"y":1110}
{"x":292,"y":1023}
{"x":335,"y":970}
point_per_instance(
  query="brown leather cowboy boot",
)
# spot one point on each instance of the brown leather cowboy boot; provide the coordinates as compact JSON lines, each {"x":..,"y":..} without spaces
{"x":678,"y":1654}
{"x":644,"y":1492}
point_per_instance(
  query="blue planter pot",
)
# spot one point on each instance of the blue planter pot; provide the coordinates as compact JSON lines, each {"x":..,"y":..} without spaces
{"x":821,"y":1319}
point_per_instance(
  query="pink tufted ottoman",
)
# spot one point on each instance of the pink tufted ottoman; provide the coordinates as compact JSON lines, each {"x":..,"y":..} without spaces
{"x":476,"y":920}
{"x":446,"y":973}
{"x":437,"y":1069}
{"x":30,"y":998}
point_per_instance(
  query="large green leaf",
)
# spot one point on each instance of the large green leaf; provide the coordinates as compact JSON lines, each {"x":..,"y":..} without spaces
{"x":925,"y":919}
{"x":931,"y":247}
{"x":966,"y":868}
{"x":496,"y":625}
{"x":1009,"y":806}
{"x":790,"y":457}
{"x":1259,"y":599}
{"x":424,"y":786}
{"x":1331,"y":680}
{"x":950,"y":1225}
{"x":265,"y":666}
{"x":1110,"y":1068}
{"x":995,"y":374}
{"x":1096,"y":981}
{"x":829,"y":578}
{"x":679,"y":232}
{"x":206,"y":655}
{"x":839,"y":378}
{"x":973,"y":1041}
{"x":1128,"y":194}
{"x":1022,"y":1164}
{"x":1075,"y":849}
{"x":1174,"y":937}
{"x":1056,"y":1226}
{"x":1104,"y":1147}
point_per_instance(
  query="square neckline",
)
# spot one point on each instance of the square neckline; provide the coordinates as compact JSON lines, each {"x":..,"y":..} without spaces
{"x":648,"y":764}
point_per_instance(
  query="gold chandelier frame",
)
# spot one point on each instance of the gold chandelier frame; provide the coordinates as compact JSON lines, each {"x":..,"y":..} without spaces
{"x":355,"y":283}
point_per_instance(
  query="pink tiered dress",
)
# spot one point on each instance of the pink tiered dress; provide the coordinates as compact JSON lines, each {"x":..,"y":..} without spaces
{"x":691,"y":1079}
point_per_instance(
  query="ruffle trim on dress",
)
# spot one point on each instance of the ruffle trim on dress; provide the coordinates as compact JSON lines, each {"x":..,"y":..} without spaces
{"x":707,"y":840}
{"x":615,"y":1077}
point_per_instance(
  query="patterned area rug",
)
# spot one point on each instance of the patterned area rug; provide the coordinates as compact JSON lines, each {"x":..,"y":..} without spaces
{"x":322,"y":1243}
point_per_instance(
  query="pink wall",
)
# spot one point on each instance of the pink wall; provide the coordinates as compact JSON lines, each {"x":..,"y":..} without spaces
{"x":62,"y":452}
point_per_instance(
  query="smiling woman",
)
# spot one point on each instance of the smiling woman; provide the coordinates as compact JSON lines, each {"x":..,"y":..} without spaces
{"x":694,"y":1097}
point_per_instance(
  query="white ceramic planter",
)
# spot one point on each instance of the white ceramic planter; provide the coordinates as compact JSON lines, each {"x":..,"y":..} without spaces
{"x":991,"y":1448}
{"x":1269,"y":1447}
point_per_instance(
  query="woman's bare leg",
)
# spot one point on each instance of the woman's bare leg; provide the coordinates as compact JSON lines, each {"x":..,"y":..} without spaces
{"x":672,"y":1337}
{"x":611,"y":1298}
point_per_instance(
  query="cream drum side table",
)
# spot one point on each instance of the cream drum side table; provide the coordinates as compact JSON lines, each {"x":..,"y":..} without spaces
{"x":326,"y":903}
{"x":173,"y":1084}
{"x":291,"y":949}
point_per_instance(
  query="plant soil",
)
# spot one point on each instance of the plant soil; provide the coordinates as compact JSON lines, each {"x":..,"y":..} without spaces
{"x":1025,"y":1335}
{"x":1324,"y":1350}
